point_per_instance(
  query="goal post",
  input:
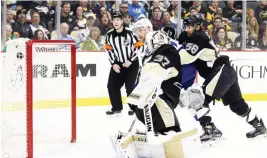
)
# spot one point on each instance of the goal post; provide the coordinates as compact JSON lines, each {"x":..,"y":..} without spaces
{"x":30,"y":85}
{"x":29,"y":63}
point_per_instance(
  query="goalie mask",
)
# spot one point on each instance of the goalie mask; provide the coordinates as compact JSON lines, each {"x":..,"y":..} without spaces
{"x":154,"y":40}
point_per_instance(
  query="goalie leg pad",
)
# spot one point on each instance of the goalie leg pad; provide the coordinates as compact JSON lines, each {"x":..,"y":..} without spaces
{"x":182,"y":144}
{"x":163,"y":115}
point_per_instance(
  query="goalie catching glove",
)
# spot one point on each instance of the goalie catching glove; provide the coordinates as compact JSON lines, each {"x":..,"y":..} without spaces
{"x":193,"y":97}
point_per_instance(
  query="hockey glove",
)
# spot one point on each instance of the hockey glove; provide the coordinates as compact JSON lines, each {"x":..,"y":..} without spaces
{"x":220,"y":61}
{"x":193,"y":97}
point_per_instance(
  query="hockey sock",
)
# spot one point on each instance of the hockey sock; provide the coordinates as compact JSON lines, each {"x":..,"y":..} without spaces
{"x":251,"y":117}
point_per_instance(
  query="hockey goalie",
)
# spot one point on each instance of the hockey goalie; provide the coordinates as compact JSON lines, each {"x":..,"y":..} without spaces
{"x":155,"y":97}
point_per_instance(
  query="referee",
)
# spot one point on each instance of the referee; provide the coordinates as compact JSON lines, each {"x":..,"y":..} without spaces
{"x":120,"y":44}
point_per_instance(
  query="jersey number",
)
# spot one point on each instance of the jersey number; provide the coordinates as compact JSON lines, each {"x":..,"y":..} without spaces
{"x":191,"y":48}
{"x":162,"y":60}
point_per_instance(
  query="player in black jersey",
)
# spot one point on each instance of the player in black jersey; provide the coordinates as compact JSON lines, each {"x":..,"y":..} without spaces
{"x":221,"y":80}
{"x":159,"y":74}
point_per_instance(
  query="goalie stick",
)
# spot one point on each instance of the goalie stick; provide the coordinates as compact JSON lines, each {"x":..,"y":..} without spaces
{"x":148,"y":115}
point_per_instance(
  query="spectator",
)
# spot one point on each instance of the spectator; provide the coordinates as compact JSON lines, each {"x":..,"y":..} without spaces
{"x":66,"y":17}
{"x":232,"y":13}
{"x":94,"y":41}
{"x":156,"y":20}
{"x":124,"y":8}
{"x":186,"y":4}
{"x":21,"y":26}
{"x":237,"y":44}
{"x":135,"y":10}
{"x":212,"y":9}
{"x":250,"y":42}
{"x":225,"y":21}
{"x":8,"y":32}
{"x":157,"y":4}
{"x":221,"y":39}
{"x":263,"y":41}
{"x":174,"y":16}
{"x":38,"y":35}
{"x":84,"y":33}
{"x":218,"y":22}
{"x":80,"y":19}
{"x":250,"y":13}
{"x":262,"y":27}
{"x":44,"y":11}
{"x":105,"y":24}
{"x":174,"y":19}
{"x":193,"y":11}
{"x":64,"y":29}
{"x":127,"y":21}
{"x":197,"y":8}
{"x":261,"y":11}
{"x":36,"y":25}
{"x":85,"y":7}
{"x":9,"y":19}
{"x":104,"y":4}
{"x":104,"y":11}
{"x":172,"y":6}
{"x":167,"y":20}
{"x":253,"y":28}
{"x":9,"y":35}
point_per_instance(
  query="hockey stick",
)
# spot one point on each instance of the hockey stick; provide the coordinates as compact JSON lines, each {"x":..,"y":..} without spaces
{"x":132,"y":125}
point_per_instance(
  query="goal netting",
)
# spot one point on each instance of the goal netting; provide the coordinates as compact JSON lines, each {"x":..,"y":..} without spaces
{"x":38,"y":103}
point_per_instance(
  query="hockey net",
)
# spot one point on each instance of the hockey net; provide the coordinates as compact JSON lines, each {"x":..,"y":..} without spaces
{"x":38,"y":104}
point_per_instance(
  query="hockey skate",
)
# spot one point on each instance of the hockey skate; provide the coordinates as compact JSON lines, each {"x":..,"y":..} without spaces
{"x":112,"y":112}
{"x":259,"y":129}
{"x":210,"y":133}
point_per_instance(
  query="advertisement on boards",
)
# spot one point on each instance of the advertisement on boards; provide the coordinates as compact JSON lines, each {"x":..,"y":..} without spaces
{"x":51,"y":76}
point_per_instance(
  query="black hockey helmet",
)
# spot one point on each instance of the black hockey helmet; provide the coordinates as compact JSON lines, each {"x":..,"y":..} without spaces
{"x":193,"y":20}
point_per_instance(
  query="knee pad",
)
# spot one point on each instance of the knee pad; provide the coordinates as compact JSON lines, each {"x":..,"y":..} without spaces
{"x":239,"y":107}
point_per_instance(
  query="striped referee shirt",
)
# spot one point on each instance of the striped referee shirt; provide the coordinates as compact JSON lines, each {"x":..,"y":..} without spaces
{"x":121,"y":46}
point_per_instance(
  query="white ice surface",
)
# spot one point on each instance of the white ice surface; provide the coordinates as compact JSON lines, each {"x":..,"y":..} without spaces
{"x":52,"y":132}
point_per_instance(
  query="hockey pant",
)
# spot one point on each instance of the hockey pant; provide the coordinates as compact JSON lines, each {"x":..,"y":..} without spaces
{"x":128,"y":77}
{"x":222,"y":83}
{"x":163,"y":115}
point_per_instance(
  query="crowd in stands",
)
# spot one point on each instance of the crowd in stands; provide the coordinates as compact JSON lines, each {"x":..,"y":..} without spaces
{"x":87,"y":21}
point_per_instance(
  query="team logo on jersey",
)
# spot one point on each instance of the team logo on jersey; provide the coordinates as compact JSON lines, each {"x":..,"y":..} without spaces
{"x":126,"y":42}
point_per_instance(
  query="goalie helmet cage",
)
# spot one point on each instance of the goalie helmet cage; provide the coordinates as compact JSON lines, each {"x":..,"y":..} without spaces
{"x":29,"y":89}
